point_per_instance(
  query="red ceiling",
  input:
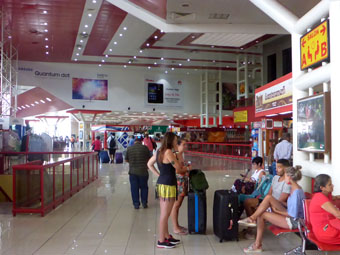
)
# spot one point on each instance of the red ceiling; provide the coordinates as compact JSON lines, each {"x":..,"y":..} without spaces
{"x":37,"y":94}
{"x":157,"y":7}
{"x":107,"y":23}
{"x":26,"y":20}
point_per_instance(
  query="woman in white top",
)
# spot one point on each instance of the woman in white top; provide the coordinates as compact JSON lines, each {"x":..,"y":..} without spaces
{"x":257,"y":166}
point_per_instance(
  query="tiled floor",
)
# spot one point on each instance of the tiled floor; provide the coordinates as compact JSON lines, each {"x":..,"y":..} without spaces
{"x":101,"y":220}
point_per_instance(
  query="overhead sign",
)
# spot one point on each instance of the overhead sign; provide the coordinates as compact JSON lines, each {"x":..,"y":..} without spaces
{"x":274,"y":97}
{"x":314,"y":46}
{"x":241,"y":116}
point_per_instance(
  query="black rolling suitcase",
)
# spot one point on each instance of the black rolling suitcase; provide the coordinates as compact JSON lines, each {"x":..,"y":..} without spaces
{"x":197,"y":212}
{"x":225,"y":215}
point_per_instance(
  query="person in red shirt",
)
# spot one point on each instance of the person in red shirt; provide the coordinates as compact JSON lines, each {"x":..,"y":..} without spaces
{"x":148,"y":142}
{"x":97,"y":145}
{"x":324,"y":215}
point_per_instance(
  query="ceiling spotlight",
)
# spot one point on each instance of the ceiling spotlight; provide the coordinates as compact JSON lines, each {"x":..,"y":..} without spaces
{"x":106,"y":56}
{"x":241,"y":48}
{"x":46,"y":30}
{"x":212,"y":46}
{"x":148,"y":44}
{"x":48,"y":99}
{"x":46,"y":39}
{"x":46,"y":46}
{"x":75,"y":59}
{"x":103,"y":60}
{"x":166,"y":72}
{"x":180,"y":64}
{"x":134,"y":57}
{"x":90,"y":14}
{"x":42,"y":101}
{"x":120,"y":35}
{"x":188,"y":73}
{"x":140,"y":51}
{"x":162,"y":31}
{"x":81,"y":41}
{"x":94,"y":1}
{"x":149,"y":67}
{"x":47,"y":52}
{"x":125,"y":28}
{"x":84,"y":32}
{"x":115,"y":43}
{"x":44,"y":12}
{"x":86,"y":26}
{"x":110,"y":49}
{"x":172,"y":68}
{"x":155,"y":63}
{"x":162,"y":58}
{"x":188,"y":59}
{"x":99,"y":65}
{"x":193,"y":37}
{"x":214,"y":61}
{"x":129,"y":62}
{"x":45,"y":24}
{"x":156,"y":37}
{"x":124,"y":66}
{"x":79,"y":48}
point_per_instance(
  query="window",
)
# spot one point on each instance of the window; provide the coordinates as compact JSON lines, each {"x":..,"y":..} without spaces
{"x":271,"y":68}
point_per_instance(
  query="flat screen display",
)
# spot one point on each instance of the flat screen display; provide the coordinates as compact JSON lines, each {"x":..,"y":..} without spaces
{"x":89,"y":89}
{"x":155,"y":93}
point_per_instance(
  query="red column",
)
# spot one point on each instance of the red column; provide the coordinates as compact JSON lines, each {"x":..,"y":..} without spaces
{"x":105,"y":139}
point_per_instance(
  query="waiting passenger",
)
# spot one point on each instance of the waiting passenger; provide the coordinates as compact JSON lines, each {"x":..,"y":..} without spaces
{"x":166,"y":188}
{"x":182,"y":186}
{"x":280,"y":216}
{"x":279,"y":190}
{"x":324,"y":216}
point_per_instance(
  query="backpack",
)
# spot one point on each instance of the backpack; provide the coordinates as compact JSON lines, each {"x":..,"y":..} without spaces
{"x":112,"y":143}
{"x":264,"y":187}
{"x":197,"y":180}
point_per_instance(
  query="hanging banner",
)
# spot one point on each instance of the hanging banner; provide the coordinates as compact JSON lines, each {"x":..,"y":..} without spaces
{"x":274,"y":97}
{"x":314,"y":46}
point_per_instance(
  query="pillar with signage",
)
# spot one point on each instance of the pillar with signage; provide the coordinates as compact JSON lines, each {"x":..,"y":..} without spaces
{"x":81,"y":135}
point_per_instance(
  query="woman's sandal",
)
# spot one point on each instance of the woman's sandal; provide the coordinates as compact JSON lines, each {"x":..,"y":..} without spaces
{"x":183,"y":231}
{"x":248,"y":222}
{"x":253,"y":249}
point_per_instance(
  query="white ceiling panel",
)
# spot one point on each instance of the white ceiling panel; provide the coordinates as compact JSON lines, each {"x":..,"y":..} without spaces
{"x":232,"y":40}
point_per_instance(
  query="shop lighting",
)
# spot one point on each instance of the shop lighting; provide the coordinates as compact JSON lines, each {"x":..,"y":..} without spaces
{"x":42,"y":101}
{"x":79,"y":48}
{"x":156,"y":37}
{"x":115,"y":43}
{"x":129,"y":61}
{"x":149,"y":67}
{"x":45,"y":24}
{"x":162,"y":31}
{"x":134,"y":57}
{"x":44,"y":12}
{"x":195,"y":69}
{"x":46,"y":39}
{"x":241,"y":48}
{"x":125,"y":28}
{"x":27,"y":106}
{"x":284,"y":113}
{"x":47,"y":52}
{"x":166,"y":72}
{"x":48,"y":99}
{"x":75,"y":59}
{"x":106,"y":56}
{"x":77,"y":54}
{"x":90,"y":14}
{"x":180,"y":64}
{"x":124,"y":66}
{"x":144,"y":112}
{"x":46,"y":46}
{"x":110,"y":49}
{"x":162,"y":58}
{"x":19,"y":108}
{"x":99,"y":65}
{"x":155,"y":63}
{"x":120,"y":35}
{"x":227,"y":66}
{"x":81,"y":41}
{"x":188,"y":59}
{"x":94,"y":1}
{"x":271,"y":115}
{"x":46,"y":30}
{"x":212,"y":46}
{"x":23,"y":107}
{"x":103,"y":60}
{"x":148,"y":44}
{"x":140,"y":51}
{"x":214,"y":61}
{"x":32,"y":104}
{"x":36,"y":102}
{"x":172,"y":68}
{"x":86,"y":26}
{"x":188,"y":73}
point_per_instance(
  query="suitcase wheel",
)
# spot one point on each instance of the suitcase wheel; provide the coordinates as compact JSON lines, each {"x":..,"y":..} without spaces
{"x":221,"y":240}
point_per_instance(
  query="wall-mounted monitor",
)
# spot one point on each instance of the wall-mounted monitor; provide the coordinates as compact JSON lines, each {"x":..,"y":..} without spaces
{"x":89,"y":89}
{"x":314,"y":123}
{"x":155,"y":93}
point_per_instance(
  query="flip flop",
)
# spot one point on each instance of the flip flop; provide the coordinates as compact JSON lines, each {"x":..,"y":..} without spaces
{"x":182,"y":232}
{"x":184,"y":229}
{"x":247,"y":222}
{"x":253,"y":249}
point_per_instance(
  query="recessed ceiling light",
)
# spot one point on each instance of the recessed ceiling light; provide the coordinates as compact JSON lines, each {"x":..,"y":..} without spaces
{"x":241,"y":48}
{"x":36,"y":102}
{"x":148,"y":44}
{"x":188,"y":59}
{"x":166,"y":71}
{"x":134,"y":57}
{"x":140,"y":51}
{"x":180,"y":64}
{"x":162,"y":31}
{"x":27,"y":105}
{"x":79,"y":48}
{"x":44,"y":12}
{"x":48,"y":99}
{"x":114,"y":43}
{"x":188,"y":73}
{"x":45,"y":24}
{"x":46,"y":46}
{"x":149,"y":67}
{"x":129,"y":61}
{"x":103,"y":60}
{"x":90,"y":14}
{"x":75,"y":59}
{"x":162,"y":58}
{"x":84,"y":32}
{"x":46,"y":30}
{"x":124,"y":66}
{"x":42,"y":101}
{"x":110,"y":49}
{"x":125,"y":28}
{"x":156,"y":37}
{"x":94,"y":1}
{"x":193,"y":37}
{"x":47,"y":53}
{"x":32,"y":104}
{"x":214,"y":61}
{"x":99,"y":65}
{"x":120,"y":35}
{"x":19,"y":108}
{"x":106,"y":56}
{"x":172,"y":68}
{"x":86,"y":26}
{"x":227,"y":66}
{"x":46,"y":39}
{"x":257,"y":41}
{"x":77,"y":54}
{"x":155,"y":63}
{"x":81,"y":41}
{"x":212,"y":46}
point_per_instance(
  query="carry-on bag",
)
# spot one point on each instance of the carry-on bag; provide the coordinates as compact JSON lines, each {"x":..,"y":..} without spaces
{"x":197,"y":212}
{"x":104,"y":157}
{"x":119,"y":157}
{"x":225,"y":215}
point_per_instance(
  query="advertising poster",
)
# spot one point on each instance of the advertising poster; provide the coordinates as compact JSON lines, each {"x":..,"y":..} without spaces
{"x":89,"y":89}
{"x":241,"y":116}
{"x":311,"y":124}
{"x":163,"y":92}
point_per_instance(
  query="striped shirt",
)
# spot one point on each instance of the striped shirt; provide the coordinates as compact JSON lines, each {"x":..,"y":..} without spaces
{"x":138,"y":156}
{"x":283,"y":150}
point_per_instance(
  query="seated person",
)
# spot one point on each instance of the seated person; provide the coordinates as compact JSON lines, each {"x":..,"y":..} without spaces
{"x":247,"y":185}
{"x":279,"y":190}
{"x":324,"y":216}
{"x":280,"y":216}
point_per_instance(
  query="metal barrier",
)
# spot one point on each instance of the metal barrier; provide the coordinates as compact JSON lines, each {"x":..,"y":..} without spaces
{"x":38,"y":187}
{"x":229,"y":150}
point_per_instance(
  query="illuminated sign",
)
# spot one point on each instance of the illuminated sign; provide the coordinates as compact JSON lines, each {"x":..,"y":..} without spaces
{"x":241,"y":116}
{"x":314,"y":46}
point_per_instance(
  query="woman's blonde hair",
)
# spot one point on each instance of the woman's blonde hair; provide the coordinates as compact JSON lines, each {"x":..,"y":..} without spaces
{"x":294,"y":173}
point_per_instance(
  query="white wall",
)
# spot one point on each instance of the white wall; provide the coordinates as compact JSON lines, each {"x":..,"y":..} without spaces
{"x":126,"y":86}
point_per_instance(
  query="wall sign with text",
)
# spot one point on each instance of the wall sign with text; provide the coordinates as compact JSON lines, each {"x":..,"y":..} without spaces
{"x":314,"y":46}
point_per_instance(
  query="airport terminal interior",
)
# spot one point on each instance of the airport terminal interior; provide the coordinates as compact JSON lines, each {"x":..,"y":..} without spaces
{"x":169,"y":127}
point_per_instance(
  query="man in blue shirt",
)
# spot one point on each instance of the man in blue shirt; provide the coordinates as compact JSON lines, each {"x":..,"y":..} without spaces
{"x":132,"y":141}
